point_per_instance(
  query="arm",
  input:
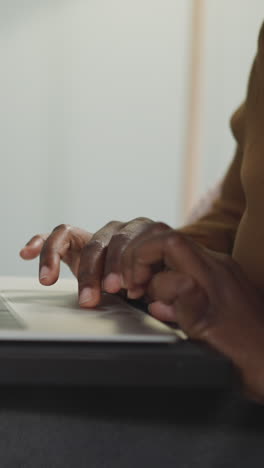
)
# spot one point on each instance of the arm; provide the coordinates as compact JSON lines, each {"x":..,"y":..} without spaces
{"x":248,"y":249}
{"x":236,"y":223}
{"x":207,"y":295}
{"x":217,"y":229}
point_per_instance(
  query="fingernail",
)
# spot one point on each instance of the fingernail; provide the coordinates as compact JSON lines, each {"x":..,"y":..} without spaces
{"x":23,"y":252}
{"x":112,"y":283}
{"x":86,"y":296}
{"x":161,"y":311}
{"x":44,"y":272}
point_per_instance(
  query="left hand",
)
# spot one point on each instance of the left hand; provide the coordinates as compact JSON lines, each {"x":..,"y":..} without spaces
{"x":93,"y":258}
{"x":207,"y":294}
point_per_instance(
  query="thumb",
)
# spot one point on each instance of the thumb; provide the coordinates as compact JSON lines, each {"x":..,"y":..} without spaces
{"x":192,"y":312}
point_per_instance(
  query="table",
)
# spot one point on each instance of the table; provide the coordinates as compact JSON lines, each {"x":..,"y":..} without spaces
{"x":55,"y":428}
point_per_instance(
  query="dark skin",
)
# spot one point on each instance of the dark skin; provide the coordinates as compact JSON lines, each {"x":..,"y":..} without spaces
{"x":95,"y":259}
{"x":205,"y":292}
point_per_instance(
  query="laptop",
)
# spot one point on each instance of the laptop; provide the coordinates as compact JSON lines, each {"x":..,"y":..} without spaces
{"x":48,"y":315}
{"x":47,"y":339}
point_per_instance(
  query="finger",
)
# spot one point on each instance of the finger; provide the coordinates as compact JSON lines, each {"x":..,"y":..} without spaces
{"x":33,"y":247}
{"x":91,"y":273}
{"x":113,"y":280}
{"x":92,"y":261}
{"x":162,"y":312}
{"x":53,"y":250}
{"x":176,"y":251}
{"x":78,"y":239}
{"x":193,"y":314}
{"x":128,"y":254}
{"x":167,"y":286}
{"x":135,"y":293}
{"x":190,"y":310}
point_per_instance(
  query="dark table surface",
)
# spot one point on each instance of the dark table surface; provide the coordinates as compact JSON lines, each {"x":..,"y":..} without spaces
{"x":72,"y":427}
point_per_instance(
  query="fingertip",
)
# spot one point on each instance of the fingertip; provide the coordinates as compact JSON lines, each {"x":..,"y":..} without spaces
{"x":47,"y":277}
{"x":112,"y":283}
{"x":162,"y":311}
{"x":135,"y":293}
{"x":89,"y":297}
{"x":47,"y":281}
{"x":24,"y":253}
{"x":29,"y":252}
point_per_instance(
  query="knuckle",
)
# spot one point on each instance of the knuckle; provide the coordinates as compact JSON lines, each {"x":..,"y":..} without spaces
{"x":62,"y":227}
{"x":118,"y":240}
{"x":94,"y":245}
{"x":142,"y":219}
{"x":176,"y":239}
{"x":160,"y":226}
{"x":105,"y":234}
{"x":153,"y":228}
{"x":112,"y":224}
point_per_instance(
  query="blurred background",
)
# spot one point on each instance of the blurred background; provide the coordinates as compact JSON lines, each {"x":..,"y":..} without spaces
{"x":113,"y":109}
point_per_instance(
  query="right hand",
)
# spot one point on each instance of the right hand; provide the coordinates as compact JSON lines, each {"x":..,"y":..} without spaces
{"x":95,"y":259}
{"x":208,"y":295}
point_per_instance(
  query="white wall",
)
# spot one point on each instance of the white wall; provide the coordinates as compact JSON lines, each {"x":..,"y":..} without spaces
{"x":93,"y":99}
{"x":92,"y":114}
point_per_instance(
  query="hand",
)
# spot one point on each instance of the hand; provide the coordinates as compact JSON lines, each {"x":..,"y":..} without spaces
{"x":64,"y":243}
{"x":207,"y":294}
{"x":94,"y":259}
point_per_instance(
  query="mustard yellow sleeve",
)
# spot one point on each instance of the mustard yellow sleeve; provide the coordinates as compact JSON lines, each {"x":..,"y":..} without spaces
{"x":249,"y":243}
{"x":217,"y":229}
{"x":236,"y":222}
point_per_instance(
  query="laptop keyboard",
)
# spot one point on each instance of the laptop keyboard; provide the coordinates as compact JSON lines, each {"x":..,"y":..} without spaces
{"x":7,"y":320}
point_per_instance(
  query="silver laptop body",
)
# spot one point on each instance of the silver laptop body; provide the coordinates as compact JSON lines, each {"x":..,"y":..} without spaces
{"x":39,"y":313}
